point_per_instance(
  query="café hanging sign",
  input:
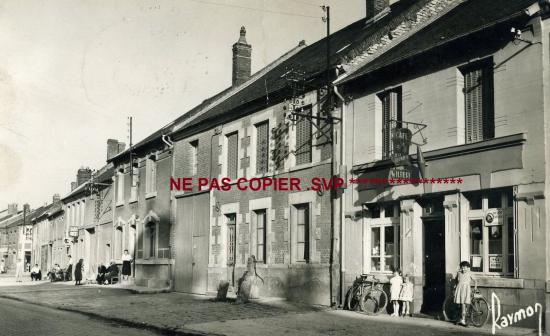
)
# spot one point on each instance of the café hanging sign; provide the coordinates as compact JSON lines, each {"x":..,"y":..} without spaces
{"x":401,"y":141}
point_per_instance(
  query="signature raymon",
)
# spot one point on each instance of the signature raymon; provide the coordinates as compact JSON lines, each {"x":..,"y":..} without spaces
{"x":499,"y":322}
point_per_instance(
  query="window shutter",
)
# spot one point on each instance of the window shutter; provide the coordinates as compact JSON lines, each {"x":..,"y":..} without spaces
{"x":478,"y":102}
{"x":262,"y":147}
{"x":391,"y":117}
{"x":232,"y":155}
{"x":303,"y":138}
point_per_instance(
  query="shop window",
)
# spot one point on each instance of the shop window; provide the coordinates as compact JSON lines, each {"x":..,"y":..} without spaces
{"x":492,"y":232}
{"x":385,"y":238}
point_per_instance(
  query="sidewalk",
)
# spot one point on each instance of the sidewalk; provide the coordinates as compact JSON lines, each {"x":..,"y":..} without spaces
{"x":185,"y":314}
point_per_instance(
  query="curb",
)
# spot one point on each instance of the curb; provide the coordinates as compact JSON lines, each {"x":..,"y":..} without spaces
{"x":127,"y":323}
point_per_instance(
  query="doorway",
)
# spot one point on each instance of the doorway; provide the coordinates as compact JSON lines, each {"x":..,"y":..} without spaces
{"x":434,"y":264}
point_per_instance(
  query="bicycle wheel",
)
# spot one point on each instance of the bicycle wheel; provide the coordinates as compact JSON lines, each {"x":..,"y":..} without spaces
{"x":354,"y":297}
{"x":479,"y":311}
{"x":451,"y":312}
{"x":374,"y":301}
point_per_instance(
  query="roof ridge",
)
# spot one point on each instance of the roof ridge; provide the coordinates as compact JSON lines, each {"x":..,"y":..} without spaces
{"x":257,"y":75}
{"x":429,"y":12}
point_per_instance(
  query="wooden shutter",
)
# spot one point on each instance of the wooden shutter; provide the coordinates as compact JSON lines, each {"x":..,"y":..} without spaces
{"x":391,"y":118}
{"x":303,"y":139}
{"x":478,"y":103}
{"x":262,"y":147}
{"x":232,"y":155}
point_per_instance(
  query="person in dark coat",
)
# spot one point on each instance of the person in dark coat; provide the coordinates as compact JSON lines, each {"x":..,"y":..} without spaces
{"x":112,"y":273}
{"x":78,"y":272}
{"x":101,"y":271}
{"x":69,"y":271}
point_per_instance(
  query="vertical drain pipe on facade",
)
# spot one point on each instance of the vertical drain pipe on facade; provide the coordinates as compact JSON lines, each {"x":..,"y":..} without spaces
{"x":343,"y":195}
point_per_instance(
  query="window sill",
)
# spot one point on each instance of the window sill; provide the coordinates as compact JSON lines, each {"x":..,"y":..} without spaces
{"x":155,"y":261}
{"x":133,"y":200}
{"x":151,"y":195}
{"x":118,"y":204}
{"x":499,"y":282}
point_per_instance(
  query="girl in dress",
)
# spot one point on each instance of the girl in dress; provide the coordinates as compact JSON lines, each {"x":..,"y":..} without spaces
{"x":395,"y":289}
{"x":126,"y":265}
{"x":463,"y":291}
{"x":406,"y":295}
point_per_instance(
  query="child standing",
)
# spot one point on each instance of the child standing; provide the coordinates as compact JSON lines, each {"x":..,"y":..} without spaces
{"x":395,"y":289}
{"x":463,"y":292}
{"x":406,"y":295}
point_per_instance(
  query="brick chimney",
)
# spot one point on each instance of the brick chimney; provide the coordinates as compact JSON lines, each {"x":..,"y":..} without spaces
{"x":242,"y":59}
{"x":83,"y":175}
{"x":12,"y":209}
{"x":376,"y":6}
{"x":114,"y":147}
{"x":56,"y":198}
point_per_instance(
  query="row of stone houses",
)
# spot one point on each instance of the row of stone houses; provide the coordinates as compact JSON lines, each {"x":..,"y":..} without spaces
{"x":464,"y":81}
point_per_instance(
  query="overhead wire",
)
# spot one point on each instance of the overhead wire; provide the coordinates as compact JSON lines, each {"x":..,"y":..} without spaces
{"x":255,"y":9}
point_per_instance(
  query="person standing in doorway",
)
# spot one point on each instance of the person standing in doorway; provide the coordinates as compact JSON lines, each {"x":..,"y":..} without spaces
{"x":78,"y":272}
{"x":463,"y":292}
{"x":19,"y":270}
{"x":126,"y":265}
{"x":69,"y":275}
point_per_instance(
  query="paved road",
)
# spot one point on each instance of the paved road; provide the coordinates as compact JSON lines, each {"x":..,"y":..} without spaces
{"x":22,"y":319}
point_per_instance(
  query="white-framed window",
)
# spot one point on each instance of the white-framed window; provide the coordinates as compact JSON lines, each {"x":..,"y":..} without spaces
{"x":150,"y":175}
{"x":492,"y":232}
{"x":301,"y":228}
{"x":134,"y":187}
{"x":194,"y":157}
{"x":260,"y":221}
{"x":384,"y":233}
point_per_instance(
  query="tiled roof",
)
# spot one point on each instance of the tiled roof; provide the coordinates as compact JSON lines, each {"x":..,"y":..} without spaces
{"x":469,"y":17}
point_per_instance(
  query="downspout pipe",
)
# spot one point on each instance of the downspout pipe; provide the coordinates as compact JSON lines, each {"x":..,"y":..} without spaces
{"x":343,"y":196}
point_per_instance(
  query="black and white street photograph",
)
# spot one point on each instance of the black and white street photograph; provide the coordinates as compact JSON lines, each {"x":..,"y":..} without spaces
{"x":274,"y":167}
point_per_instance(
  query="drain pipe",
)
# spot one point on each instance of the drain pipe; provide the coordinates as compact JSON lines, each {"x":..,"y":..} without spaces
{"x":343,"y":196}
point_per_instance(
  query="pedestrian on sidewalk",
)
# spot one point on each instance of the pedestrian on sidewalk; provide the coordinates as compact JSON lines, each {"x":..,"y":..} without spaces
{"x":406,"y":295}
{"x":19,"y":270}
{"x":126,"y":265}
{"x":78,"y":272}
{"x":463,"y":292}
{"x":395,"y":289}
{"x":69,"y":275}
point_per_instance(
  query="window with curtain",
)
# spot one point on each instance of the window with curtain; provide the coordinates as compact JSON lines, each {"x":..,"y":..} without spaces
{"x":261,"y":234}
{"x":302,"y":232}
{"x":384,"y":232}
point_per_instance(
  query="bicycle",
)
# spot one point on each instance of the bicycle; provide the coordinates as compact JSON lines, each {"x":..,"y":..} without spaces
{"x":477,"y":312}
{"x":368,"y":296}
